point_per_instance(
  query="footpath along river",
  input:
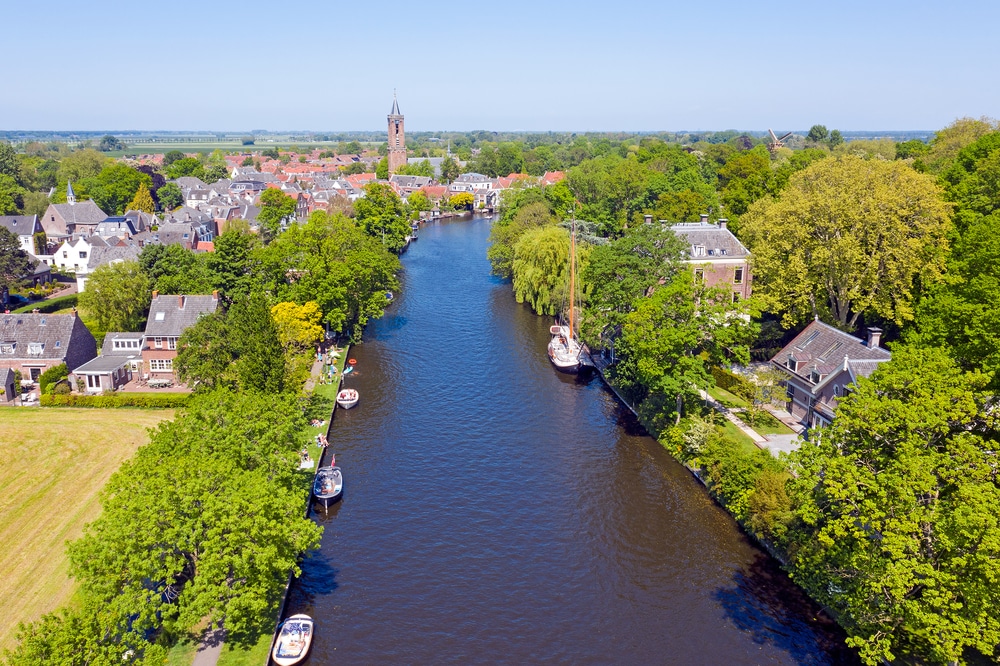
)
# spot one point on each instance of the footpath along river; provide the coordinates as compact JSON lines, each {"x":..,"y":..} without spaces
{"x":495,"y":511}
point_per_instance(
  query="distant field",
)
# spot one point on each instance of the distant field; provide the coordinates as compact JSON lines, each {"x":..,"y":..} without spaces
{"x":55,"y":462}
{"x":225,"y":146}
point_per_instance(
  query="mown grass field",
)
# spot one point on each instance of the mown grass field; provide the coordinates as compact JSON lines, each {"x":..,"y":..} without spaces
{"x":55,"y":463}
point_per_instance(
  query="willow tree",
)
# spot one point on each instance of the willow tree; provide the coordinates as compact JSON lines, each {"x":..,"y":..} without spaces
{"x":541,"y":269}
{"x":848,"y":236}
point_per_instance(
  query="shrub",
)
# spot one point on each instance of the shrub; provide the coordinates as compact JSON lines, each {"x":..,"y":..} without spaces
{"x":61,"y":387}
{"x":60,"y":303}
{"x":143,"y":400}
{"x":51,"y":376}
{"x":733,"y":471}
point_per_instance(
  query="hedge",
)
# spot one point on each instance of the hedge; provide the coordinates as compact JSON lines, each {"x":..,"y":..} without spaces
{"x":51,"y":305}
{"x":147,"y":400}
{"x":727,"y":380}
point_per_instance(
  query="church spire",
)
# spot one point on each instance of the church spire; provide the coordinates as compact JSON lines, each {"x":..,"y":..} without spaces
{"x":70,"y":196}
{"x":395,"y":105}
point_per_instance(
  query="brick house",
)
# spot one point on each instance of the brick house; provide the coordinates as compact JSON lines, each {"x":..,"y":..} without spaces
{"x":33,"y":343}
{"x":71,"y":218}
{"x":121,"y":356}
{"x":821,"y":364}
{"x":716,"y":255}
{"x":169,"y":317}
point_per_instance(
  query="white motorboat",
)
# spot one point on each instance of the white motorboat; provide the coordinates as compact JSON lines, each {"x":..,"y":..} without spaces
{"x":294,"y":640}
{"x":328,"y":485}
{"x":347,"y":398}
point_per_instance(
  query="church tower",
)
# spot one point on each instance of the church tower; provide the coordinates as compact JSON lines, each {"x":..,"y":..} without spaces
{"x":397,"y":138}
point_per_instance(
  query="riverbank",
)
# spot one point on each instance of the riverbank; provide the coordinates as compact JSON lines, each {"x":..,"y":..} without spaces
{"x":320,"y":392}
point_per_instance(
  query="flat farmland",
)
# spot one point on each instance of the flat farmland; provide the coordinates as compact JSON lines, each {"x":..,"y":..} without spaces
{"x":54,"y":464}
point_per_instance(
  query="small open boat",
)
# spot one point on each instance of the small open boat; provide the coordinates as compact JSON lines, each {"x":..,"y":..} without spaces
{"x":347,"y":398}
{"x":328,"y":485}
{"x":294,"y":640}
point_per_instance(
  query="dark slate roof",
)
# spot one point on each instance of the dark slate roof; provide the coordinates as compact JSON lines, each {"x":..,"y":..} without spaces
{"x":825,"y":349}
{"x":109,"y":348}
{"x":54,"y":332}
{"x":6,"y":378}
{"x":82,"y":212}
{"x":395,"y":107}
{"x":21,"y":225}
{"x":167,"y":317}
{"x":716,"y":240}
{"x":106,"y":255}
{"x":116,"y":226}
{"x":410,"y":181}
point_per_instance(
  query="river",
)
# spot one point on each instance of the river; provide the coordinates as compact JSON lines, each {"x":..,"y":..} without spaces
{"x":496,"y":511}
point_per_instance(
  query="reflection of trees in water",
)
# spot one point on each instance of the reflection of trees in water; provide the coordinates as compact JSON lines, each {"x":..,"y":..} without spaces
{"x":766,"y":605}
{"x":318,"y":579}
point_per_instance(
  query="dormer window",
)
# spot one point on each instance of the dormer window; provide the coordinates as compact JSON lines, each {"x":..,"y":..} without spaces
{"x":814,"y":377}
{"x":8,"y":347}
{"x":36,"y":348}
{"x":792,"y":365}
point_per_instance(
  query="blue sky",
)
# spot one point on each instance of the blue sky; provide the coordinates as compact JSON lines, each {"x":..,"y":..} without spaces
{"x":516,"y":65}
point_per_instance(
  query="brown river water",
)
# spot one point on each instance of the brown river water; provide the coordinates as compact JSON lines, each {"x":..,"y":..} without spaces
{"x":496,"y":511}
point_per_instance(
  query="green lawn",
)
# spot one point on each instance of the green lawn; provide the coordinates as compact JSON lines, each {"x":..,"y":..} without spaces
{"x":725,"y":398}
{"x":768,"y":425}
{"x":55,"y":462}
{"x":731,"y":431}
{"x":252,"y":656}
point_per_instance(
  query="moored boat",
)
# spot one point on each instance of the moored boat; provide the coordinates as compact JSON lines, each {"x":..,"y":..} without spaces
{"x":328,"y":485}
{"x":347,"y":398}
{"x":294,"y":640}
{"x":564,"y":349}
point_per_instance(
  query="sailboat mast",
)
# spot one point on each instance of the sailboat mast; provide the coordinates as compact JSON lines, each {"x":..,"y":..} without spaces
{"x":572,"y":273}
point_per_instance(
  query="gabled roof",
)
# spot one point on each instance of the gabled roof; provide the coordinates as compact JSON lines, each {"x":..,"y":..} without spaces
{"x":169,"y":316}
{"x":826,"y":350}
{"x":21,"y":225}
{"x":53,"y":332}
{"x":82,"y":212}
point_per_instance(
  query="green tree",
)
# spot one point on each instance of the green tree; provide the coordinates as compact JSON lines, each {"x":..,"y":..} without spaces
{"x":206,"y":355}
{"x":173,"y":269}
{"x":746,"y":178}
{"x":10,"y":165}
{"x":382,"y":169}
{"x":117,"y":296}
{"x":624,"y":271}
{"x":897,"y":504}
{"x":541,"y":269}
{"x":186,"y":166}
{"x":449,"y":169}
{"x":276,"y":208}
{"x":848,"y":236}
{"x":216,"y":172}
{"x":115,"y":186}
{"x":947,"y":143}
{"x":170,"y":196}
{"x":36,"y":203}
{"x":171,"y":157}
{"x":14,"y":262}
{"x":418,"y":168}
{"x":232,"y":264}
{"x":419,"y":201}
{"x":142,"y":200}
{"x":247,"y":161}
{"x":818,"y":134}
{"x":11,"y":196}
{"x":836,"y":138}
{"x":298,"y":326}
{"x":523,"y":210}
{"x":260,"y":362}
{"x":380,"y":213}
{"x":80,"y":165}
{"x":359,"y":167}
{"x":110,"y":143}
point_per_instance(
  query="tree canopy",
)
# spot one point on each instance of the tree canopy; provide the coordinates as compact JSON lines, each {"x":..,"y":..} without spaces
{"x":117,"y":296}
{"x":848,"y":236}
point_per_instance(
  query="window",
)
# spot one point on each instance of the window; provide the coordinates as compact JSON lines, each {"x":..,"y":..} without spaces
{"x":7,"y":347}
{"x":158,"y":343}
{"x":36,"y":348}
{"x":790,"y":391}
{"x":836,"y":390}
{"x":814,"y":377}
{"x":161,"y":364}
{"x":83,"y":255}
{"x":93,"y":382}
{"x":171,"y":343}
{"x":699,"y":275}
{"x":738,"y":276}
{"x":736,"y":297}
{"x":42,"y":322}
{"x":58,"y":344}
{"x":65,"y":254}
{"x":791,"y":363}
{"x":160,"y":316}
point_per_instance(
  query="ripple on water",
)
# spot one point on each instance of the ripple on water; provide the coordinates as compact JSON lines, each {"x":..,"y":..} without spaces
{"x":496,"y":511}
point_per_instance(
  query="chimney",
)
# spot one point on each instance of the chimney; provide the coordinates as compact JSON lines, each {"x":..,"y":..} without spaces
{"x":648,"y":219}
{"x":874,"y":334}
{"x":704,"y":218}
{"x":180,"y":302}
{"x":155,"y":293}
{"x":74,"y":312}
{"x":215,"y":294}
{"x":723,"y":222}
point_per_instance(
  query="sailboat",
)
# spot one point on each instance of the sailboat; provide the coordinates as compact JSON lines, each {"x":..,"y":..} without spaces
{"x":564,"y":349}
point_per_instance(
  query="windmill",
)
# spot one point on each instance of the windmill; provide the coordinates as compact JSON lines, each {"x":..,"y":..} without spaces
{"x":776,"y":141}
